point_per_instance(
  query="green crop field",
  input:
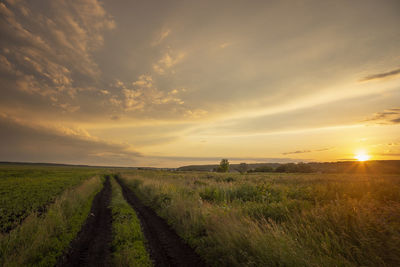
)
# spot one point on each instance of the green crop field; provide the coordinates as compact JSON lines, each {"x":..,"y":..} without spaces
{"x":279,"y":219}
{"x":26,"y":189}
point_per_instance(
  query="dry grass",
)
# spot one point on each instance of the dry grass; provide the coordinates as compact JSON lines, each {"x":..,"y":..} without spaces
{"x":279,"y":219}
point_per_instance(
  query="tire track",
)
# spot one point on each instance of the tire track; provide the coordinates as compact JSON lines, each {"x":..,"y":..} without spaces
{"x":92,"y":245}
{"x":166,"y":247}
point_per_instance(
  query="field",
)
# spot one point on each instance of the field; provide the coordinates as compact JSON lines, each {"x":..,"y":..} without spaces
{"x":27,"y":189}
{"x":68,"y":216}
{"x":279,"y":219}
{"x":41,"y":239}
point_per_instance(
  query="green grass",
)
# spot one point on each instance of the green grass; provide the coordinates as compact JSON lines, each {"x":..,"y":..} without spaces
{"x":40,"y":240}
{"x":279,"y":219}
{"x":27,"y":189}
{"x":128,"y":243}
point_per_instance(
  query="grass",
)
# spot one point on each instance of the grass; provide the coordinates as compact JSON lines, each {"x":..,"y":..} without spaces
{"x":128,"y":243}
{"x":279,"y":219}
{"x":229,"y":219}
{"x":27,"y":189}
{"x":40,"y":240}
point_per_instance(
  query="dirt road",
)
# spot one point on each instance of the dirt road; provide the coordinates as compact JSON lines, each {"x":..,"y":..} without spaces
{"x":165,"y":246}
{"x":92,"y":245}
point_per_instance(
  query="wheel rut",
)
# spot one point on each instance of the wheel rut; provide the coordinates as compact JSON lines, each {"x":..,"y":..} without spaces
{"x":165,"y":246}
{"x":92,"y":246}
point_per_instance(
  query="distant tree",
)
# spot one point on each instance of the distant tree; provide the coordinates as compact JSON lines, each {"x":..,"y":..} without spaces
{"x":288,"y":167}
{"x":264,"y":169}
{"x":292,"y":167}
{"x":281,"y":168}
{"x":223,"y":165}
{"x":242,"y":168}
{"x":304,"y":167}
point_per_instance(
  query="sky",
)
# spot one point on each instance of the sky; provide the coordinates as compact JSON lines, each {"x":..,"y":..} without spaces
{"x":172,"y":83}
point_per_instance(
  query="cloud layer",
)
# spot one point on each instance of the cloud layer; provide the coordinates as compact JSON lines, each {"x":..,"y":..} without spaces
{"x":49,"y":53}
{"x":21,"y":141}
{"x":194,"y":81}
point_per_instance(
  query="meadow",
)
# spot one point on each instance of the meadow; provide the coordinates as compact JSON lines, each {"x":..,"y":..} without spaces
{"x":274,"y":219}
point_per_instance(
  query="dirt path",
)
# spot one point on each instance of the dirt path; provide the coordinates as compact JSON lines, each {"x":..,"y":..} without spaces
{"x":92,"y":245}
{"x":166,"y":247}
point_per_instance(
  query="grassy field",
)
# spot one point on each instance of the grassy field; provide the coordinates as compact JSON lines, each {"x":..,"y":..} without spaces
{"x":279,"y":219}
{"x":257,"y":219}
{"x":41,"y":240}
{"x":26,"y":189}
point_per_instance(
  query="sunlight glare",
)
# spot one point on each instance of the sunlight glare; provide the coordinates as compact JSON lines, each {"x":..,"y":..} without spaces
{"x":362,"y":156}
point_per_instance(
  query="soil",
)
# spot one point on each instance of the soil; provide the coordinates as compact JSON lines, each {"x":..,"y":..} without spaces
{"x":92,"y":245}
{"x":165,"y":246}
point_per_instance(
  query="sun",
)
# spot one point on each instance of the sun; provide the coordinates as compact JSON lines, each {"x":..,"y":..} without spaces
{"x":362,"y":156}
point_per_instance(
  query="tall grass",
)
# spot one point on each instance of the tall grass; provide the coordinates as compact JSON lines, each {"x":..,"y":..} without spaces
{"x":40,"y":240}
{"x":128,"y":243}
{"x":279,"y":219}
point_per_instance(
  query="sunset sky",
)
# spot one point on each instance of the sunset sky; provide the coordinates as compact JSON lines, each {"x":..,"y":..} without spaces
{"x":172,"y":83}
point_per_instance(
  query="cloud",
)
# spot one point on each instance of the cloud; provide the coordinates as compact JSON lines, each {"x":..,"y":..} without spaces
{"x":58,"y":59}
{"x":69,"y":108}
{"x":164,"y":34}
{"x":225,"y":45}
{"x":381,"y":76}
{"x":22,"y":141}
{"x":297,"y":152}
{"x":144,"y":81}
{"x":104,"y":92}
{"x":306,"y":151}
{"x":195,"y":113}
{"x":46,"y":48}
{"x":388,"y":116}
{"x":167,"y":62}
{"x":142,"y":95}
{"x":132,"y":100}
